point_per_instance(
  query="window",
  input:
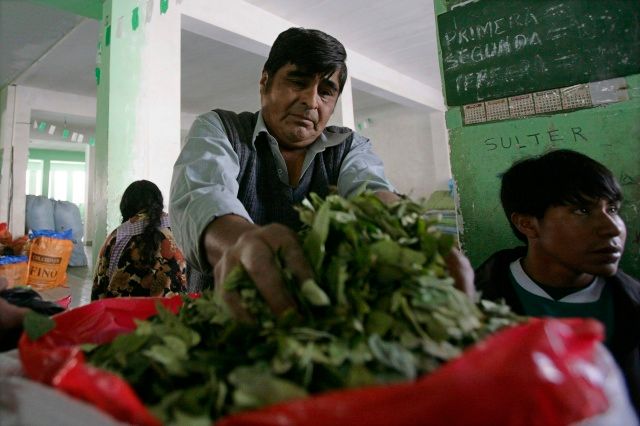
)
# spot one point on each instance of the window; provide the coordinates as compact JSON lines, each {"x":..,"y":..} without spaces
{"x":67,"y":182}
{"x":34,"y":177}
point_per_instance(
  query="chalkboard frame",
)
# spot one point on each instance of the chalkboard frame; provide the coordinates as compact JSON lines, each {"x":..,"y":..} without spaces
{"x":493,"y":49}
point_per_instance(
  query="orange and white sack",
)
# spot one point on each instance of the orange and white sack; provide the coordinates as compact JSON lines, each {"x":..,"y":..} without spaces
{"x":49,"y":256}
{"x":14,"y":269}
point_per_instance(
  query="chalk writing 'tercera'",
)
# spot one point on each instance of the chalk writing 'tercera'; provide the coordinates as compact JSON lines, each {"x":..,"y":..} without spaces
{"x":482,"y":82}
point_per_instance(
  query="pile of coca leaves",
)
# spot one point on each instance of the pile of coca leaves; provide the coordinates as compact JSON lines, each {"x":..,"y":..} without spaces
{"x":382,"y":309}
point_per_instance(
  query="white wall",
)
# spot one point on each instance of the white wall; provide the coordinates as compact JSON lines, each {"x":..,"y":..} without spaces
{"x":15,"y":132}
{"x":186,"y":120}
{"x":404,"y":139}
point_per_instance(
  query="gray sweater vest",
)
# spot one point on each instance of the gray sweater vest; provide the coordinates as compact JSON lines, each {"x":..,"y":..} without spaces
{"x":261,"y":192}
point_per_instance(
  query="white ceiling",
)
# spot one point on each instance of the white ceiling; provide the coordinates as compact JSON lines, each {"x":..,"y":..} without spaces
{"x":47,"y":48}
{"x":400,"y":34}
{"x":27,"y":31}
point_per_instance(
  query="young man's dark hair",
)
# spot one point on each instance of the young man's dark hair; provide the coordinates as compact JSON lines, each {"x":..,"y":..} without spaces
{"x":312,"y":51}
{"x":557,"y":178}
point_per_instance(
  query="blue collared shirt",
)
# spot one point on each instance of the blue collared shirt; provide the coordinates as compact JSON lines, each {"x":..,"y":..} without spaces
{"x":204,"y":184}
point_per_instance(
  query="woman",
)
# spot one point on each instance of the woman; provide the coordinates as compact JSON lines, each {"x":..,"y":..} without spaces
{"x":140,"y":258}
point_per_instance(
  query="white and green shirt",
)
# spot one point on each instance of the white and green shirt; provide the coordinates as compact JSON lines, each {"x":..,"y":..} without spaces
{"x":593,"y":301}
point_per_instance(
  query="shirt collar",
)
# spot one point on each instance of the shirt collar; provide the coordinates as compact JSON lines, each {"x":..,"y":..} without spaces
{"x":324,"y":141}
{"x":589,"y":294}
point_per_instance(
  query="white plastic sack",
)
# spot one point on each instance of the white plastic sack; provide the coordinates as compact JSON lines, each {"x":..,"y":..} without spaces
{"x":67,"y":216}
{"x":610,"y":377}
{"x":39,"y":213}
{"x":25,"y":402}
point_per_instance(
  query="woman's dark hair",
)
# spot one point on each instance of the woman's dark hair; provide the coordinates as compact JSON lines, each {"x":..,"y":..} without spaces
{"x":143,"y":196}
{"x":312,"y":51}
{"x":557,"y":178}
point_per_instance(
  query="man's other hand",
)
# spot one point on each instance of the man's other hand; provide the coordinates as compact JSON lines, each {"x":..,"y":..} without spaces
{"x":461,"y":271}
{"x":255,"y":249}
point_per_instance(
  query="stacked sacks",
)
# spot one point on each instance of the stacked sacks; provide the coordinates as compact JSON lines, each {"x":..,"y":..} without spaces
{"x":39,"y":213}
{"x":67,"y":216}
{"x":44,"y":213}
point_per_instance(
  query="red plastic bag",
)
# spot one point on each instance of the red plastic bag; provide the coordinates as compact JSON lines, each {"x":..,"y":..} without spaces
{"x":56,"y":359}
{"x":9,"y":245}
{"x":534,"y":374}
{"x":539,"y":373}
{"x":64,"y":301}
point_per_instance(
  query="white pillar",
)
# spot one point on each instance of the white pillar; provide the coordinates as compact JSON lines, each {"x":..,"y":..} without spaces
{"x":346,"y":105}
{"x":21,"y":130}
{"x":138,"y":120}
{"x":440,"y":144}
{"x":89,"y":223}
{"x":16,"y":123}
{"x":7,"y":101}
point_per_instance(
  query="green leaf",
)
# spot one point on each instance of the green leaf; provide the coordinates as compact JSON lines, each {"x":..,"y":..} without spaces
{"x":314,"y":294}
{"x":184,"y":419}
{"x":337,"y":277}
{"x":393,"y":355}
{"x":88,"y":347}
{"x":172,"y":355}
{"x":442,"y":350}
{"x":378,"y":323}
{"x":314,"y":243}
{"x":255,"y":387}
{"x":360,"y":376}
{"x":37,"y":325}
{"x":394,"y":262}
{"x":129,"y":343}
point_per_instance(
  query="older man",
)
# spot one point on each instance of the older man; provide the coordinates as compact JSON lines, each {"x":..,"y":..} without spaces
{"x":239,"y":175}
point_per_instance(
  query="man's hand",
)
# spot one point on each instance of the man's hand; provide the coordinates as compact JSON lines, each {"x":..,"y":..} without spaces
{"x":11,"y":318}
{"x":231,"y":241}
{"x":387,"y":197}
{"x":461,"y":272}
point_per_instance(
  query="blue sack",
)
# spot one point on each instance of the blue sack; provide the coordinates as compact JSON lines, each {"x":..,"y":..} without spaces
{"x":63,"y":235}
{"x":8,"y":260}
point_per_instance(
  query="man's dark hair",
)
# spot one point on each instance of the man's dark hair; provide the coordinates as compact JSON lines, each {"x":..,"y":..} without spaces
{"x":312,"y":51}
{"x":143,"y":196}
{"x":557,"y":178}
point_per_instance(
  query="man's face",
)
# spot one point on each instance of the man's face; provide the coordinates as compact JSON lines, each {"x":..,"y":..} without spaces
{"x":587,"y":238}
{"x":297,"y":106}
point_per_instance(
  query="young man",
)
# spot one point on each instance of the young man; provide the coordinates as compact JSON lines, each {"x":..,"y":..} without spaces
{"x":238,"y":176}
{"x":565,"y":207}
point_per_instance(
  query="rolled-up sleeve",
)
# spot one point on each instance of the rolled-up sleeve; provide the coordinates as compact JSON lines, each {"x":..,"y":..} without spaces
{"x":362,"y":169}
{"x":203,"y":186}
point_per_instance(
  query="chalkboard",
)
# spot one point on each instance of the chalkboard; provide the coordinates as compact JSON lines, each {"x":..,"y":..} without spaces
{"x":497,"y":48}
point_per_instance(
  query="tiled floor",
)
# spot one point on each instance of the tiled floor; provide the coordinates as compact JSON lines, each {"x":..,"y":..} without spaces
{"x":78,"y":285}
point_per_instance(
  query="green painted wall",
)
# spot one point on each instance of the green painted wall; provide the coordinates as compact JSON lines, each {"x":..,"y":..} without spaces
{"x":88,"y":8}
{"x":479,"y":153}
